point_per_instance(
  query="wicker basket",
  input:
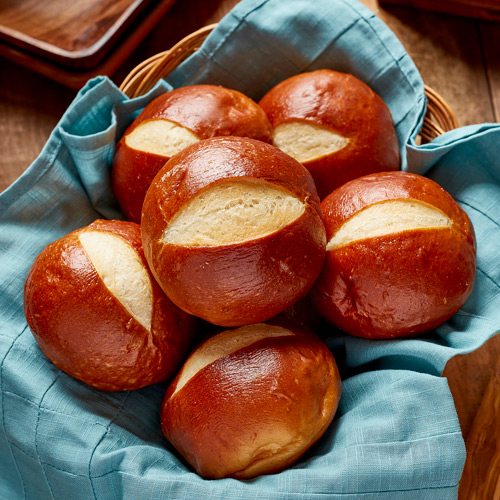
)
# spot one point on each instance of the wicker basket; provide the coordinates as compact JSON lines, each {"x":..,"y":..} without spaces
{"x":438,"y":119}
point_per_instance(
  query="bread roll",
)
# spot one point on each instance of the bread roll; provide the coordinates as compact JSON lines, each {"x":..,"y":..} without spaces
{"x":400,"y":258}
{"x":232,"y":230}
{"x":172,"y":122}
{"x":334,"y":124}
{"x":97,"y":313}
{"x":252,"y":400}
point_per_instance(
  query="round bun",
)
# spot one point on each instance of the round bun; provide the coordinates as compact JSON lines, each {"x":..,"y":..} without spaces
{"x":232,"y":230}
{"x":401,"y":256}
{"x":171,"y":122}
{"x":252,"y":400}
{"x":97,"y":313}
{"x":334,"y":124}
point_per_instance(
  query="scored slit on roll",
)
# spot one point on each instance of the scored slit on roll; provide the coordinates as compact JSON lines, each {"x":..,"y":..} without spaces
{"x":226,"y":343}
{"x":233,"y":211}
{"x":161,"y":137}
{"x":388,"y":217}
{"x":307,"y":141}
{"x":122,"y":271}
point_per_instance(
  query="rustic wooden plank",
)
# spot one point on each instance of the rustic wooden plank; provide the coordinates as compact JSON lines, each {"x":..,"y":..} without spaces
{"x":468,"y":376}
{"x":371,"y":4}
{"x":73,"y":33}
{"x":481,"y":476}
{"x":490,"y":38}
{"x":30,"y":106}
{"x":447,"y":51}
{"x":482,"y":9}
{"x":75,"y":68}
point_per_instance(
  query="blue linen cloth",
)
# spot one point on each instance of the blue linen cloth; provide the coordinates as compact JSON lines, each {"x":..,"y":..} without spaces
{"x":396,"y":434}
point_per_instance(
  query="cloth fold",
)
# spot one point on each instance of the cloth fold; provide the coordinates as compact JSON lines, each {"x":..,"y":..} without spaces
{"x":396,"y":434}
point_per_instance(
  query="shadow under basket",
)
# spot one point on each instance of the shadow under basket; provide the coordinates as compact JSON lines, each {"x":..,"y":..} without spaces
{"x":439,"y":117}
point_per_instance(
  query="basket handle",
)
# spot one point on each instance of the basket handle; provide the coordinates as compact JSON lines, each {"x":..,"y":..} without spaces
{"x":145,"y":76}
{"x":438,"y":119}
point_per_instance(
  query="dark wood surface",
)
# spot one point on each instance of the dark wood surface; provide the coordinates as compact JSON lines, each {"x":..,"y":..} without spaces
{"x":480,"y":9}
{"x":62,"y":30}
{"x":457,"y":56}
{"x":72,"y":45}
{"x":482,"y":469}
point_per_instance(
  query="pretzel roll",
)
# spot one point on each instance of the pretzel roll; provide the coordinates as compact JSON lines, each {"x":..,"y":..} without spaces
{"x":171,"y":122}
{"x":401,"y":256}
{"x":232,"y":230}
{"x":97,"y":313}
{"x":334,"y":124}
{"x":252,"y":400}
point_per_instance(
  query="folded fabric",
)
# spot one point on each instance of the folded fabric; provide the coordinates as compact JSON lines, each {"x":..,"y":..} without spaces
{"x":396,"y":434}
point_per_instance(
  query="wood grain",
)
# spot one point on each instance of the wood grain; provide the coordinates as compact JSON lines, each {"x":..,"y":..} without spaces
{"x":468,"y":376}
{"x":30,"y":107}
{"x":76,"y":77}
{"x":481,"y":476}
{"x":447,"y":50}
{"x":490,"y":43}
{"x":483,"y":9}
{"x":65,"y":30}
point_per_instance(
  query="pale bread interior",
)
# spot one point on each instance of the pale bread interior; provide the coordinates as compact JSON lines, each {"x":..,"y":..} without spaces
{"x":231,"y":212}
{"x":388,"y":217}
{"x":307,"y":141}
{"x":224,"y":344}
{"x":161,"y":137}
{"x":122,"y":271}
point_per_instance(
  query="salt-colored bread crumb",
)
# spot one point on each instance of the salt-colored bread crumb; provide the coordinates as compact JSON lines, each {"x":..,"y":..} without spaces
{"x":306,"y":141}
{"x":233,"y":211}
{"x":161,"y":137}
{"x":122,"y":271}
{"x":388,"y":217}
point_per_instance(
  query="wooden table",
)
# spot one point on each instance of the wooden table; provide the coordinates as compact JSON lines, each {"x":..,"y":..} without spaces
{"x":458,"y":57}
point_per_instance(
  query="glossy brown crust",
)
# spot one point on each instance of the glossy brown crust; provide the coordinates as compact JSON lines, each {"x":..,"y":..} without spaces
{"x":396,"y":285}
{"x":237,"y":284}
{"x":283,"y":383}
{"x":86,"y":332}
{"x":383,"y":186}
{"x":207,"y":110}
{"x":131,"y":175}
{"x":348,"y":107}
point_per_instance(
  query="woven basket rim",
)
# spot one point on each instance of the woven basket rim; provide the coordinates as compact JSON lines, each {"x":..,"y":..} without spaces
{"x":439,"y":117}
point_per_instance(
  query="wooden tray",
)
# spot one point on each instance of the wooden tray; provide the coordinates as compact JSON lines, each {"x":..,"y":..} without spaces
{"x":70,"y":40}
{"x":480,"y":9}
